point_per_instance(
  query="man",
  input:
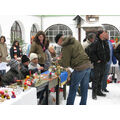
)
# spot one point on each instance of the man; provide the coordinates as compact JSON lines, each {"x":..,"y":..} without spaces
{"x":99,"y":54}
{"x":74,"y":56}
{"x":107,"y":67}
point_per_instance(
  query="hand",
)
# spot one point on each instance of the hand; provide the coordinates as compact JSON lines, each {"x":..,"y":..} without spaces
{"x":98,"y":61}
{"x":41,"y":68}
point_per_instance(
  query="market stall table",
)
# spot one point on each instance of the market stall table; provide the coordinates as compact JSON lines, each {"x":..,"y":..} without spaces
{"x":28,"y":97}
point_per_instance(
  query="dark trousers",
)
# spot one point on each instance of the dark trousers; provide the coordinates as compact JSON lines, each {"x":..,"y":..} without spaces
{"x":99,"y":71}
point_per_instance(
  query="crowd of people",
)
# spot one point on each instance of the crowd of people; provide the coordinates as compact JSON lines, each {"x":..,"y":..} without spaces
{"x":90,"y":61}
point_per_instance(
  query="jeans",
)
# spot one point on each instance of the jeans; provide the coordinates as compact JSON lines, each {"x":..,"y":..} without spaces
{"x":2,"y":72}
{"x":82,"y":78}
{"x":104,"y":81}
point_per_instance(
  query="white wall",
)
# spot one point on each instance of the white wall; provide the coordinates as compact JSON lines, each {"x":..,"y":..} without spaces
{"x":25,"y":22}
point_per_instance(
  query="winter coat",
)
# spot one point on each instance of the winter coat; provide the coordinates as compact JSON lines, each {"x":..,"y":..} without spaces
{"x":33,"y":67}
{"x":48,"y":60}
{"x":24,"y":70}
{"x":17,"y":52}
{"x":86,"y":44}
{"x":11,"y":76}
{"x":117,"y":52}
{"x":3,"y":51}
{"x":73,"y":55}
{"x":99,"y":50}
{"x":37,"y":48}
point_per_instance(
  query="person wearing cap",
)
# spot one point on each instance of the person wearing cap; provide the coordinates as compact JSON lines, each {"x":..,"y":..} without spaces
{"x":74,"y":56}
{"x":13,"y":74}
{"x":24,"y":66}
{"x":99,"y":54}
{"x":34,"y":66}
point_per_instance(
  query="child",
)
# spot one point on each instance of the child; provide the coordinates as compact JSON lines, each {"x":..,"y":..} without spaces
{"x":24,"y":65}
{"x":34,"y":66}
{"x":13,"y":74}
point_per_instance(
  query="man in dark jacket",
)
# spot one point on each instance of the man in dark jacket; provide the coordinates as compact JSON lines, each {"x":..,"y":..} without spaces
{"x":99,"y":55}
{"x":74,"y":56}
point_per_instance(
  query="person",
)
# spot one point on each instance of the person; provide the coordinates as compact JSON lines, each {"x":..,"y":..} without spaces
{"x":90,"y":38}
{"x":13,"y":74}
{"x":74,"y":56}
{"x":99,"y":55}
{"x":39,"y":48}
{"x":34,"y":66}
{"x":52,"y":51}
{"x":48,"y":56}
{"x":24,"y":66}
{"x":107,"y":67}
{"x":3,"y":49}
{"x":15,"y":50}
{"x":29,"y":46}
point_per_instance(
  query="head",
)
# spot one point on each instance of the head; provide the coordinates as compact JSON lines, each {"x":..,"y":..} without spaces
{"x":2,"y":39}
{"x":91,"y":37}
{"x":25,"y":60}
{"x":59,"y":39}
{"x":34,"y":58}
{"x":106,"y":36}
{"x":101,"y":34}
{"x":40,"y":37}
{"x":47,"y":44}
{"x":16,"y":43}
{"x":14,"y":64}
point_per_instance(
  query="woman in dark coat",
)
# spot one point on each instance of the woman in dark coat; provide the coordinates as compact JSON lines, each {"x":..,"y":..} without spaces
{"x":15,"y":50}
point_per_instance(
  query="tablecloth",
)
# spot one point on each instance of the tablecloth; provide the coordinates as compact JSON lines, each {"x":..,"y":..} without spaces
{"x":28,"y":97}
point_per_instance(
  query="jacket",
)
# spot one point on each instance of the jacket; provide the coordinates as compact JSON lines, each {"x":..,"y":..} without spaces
{"x":17,"y":52}
{"x":37,"y":48}
{"x":99,"y":50}
{"x":117,"y":52}
{"x":73,"y":55}
{"x":11,"y":76}
{"x":3,"y":51}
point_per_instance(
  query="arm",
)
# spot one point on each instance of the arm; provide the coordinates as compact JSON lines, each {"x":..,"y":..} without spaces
{"x":117,"y":53}
{"x":66,"y":57}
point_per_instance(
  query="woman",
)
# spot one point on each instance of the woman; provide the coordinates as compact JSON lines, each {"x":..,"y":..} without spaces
{"x":39,"y":48}
{"x":3,"y":49}
{"x":15,"y":50}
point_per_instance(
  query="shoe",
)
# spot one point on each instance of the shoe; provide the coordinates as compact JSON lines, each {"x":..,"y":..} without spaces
{"x":101,"y":94}
{"x":105,"y":90}
{"x":94,"y":96}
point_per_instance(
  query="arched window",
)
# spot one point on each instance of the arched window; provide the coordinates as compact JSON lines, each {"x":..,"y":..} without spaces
{"x":112,"y":30}
{"x":16,"y":33}
{"x":33,"y":31}
{"x":53,"y":30}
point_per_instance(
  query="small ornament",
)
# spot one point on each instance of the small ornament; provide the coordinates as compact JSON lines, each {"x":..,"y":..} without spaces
{"x":13,"y":94}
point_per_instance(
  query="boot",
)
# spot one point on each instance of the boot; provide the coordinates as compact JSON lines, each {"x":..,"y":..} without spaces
{"x":99,"y":93}
{"x":94,"y":96}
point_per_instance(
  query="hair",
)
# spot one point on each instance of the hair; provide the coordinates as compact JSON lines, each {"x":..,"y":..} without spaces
{"x":47,"y":44}
{"x":15,"y":42}
{"x":3,"y":37}
{"x":90,"y":36}
{"x":38,"y":34}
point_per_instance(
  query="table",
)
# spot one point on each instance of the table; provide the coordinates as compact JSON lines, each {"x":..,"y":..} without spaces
{"x":28,"y":97}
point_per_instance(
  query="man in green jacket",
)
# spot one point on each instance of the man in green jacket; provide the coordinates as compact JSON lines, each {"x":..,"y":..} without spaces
{"x":74,"y":56}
